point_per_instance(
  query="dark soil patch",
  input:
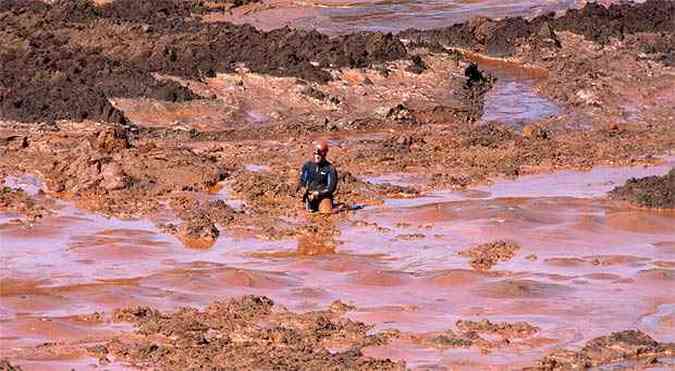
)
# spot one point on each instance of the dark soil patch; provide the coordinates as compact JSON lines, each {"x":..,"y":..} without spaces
{"x":63,"y":62}
{"x":651,"y":191}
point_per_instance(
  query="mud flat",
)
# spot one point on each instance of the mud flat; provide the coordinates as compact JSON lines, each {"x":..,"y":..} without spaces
{"x":92,"y":222}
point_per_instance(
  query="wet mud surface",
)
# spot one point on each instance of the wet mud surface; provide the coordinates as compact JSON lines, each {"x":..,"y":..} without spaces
{"x":149,"y":215}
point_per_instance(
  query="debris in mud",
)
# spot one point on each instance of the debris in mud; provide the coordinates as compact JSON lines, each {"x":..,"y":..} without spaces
{"x":248,"y":332}
{"x":6,"y":366}
{"x":485,"y":256}
{"x":491,"y":134}
{"x":652,"y":191}
{"x":18,"y":201}
{"x":606,"y":350}
{"x":482,"y":334}
{"x":418,"y":66}
{"x":74,"y":63}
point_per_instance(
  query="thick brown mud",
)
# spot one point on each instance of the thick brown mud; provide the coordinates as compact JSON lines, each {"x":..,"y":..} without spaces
{"x":466,"y":237}
{"x":444,"y":312}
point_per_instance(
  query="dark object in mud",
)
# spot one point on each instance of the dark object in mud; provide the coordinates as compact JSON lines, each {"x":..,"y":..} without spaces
{"x":6,"y":366}
{"x":418,"y":66}
{"x":601,"y":351}
{"x":246,"y":333}
{"x":651,"y":191}
{"x":473,"y":75}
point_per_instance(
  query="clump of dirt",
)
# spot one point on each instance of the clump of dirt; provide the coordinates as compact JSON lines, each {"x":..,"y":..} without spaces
{"x":652,"y":191}
{"x":485,"y":256}
{"x":18,"y":201}
{"x":503,"y":329}
{"x":491,"y":134}
{"x":6,"y":366}
{"x":483,"y":334}
{"x":418,"y":66}
{"x":248,"y":332}
{"x":603,"y":351}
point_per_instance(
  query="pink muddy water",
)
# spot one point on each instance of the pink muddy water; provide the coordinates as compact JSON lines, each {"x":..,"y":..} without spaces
{"x":587,"y":266}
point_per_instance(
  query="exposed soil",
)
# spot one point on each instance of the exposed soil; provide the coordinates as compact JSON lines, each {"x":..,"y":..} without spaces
{"x":653,"y":191}
{"x":603,"y":351}
{"x":248,"y":332}
{"x":77,"y":61}
{"x":594,"y":21}
{"x":485,"y":256}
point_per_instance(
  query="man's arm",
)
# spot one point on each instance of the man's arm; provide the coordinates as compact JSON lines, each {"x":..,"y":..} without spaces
{"x":303,"y":180}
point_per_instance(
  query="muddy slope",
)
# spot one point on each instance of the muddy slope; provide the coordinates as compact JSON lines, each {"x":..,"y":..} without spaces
{"x":653,"y":191}
{"x":63,"y":61}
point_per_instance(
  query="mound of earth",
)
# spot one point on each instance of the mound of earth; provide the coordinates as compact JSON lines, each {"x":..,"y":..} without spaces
{"x":595,"y":22}
{"x":66,"y":59}
{"x":629,"y":345}
{"x":245,"y":333}
{"x":485,"y":256}
{"x":651,"y":191}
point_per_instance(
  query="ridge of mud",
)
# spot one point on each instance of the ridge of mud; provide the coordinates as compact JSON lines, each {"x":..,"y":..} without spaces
{"x":248,"y":332}
{"x":594,"y":21}
{"x":67,"y":59}
{"x":652,"y":191}
{"x":621,"y":346}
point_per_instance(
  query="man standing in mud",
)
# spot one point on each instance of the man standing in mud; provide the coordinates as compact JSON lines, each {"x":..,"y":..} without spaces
{"x":319,"y":179}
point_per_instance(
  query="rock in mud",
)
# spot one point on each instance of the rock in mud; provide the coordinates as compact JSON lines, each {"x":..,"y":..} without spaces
{"x":248,"y":333}
{"x":629,"y":345}
{"x":653,"y":191}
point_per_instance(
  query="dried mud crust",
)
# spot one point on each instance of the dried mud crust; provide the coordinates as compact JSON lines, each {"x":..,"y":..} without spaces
{"x":65,"y":60}
{"x":652,"y":191}
{"x":485,"y":256}
{"x":249,"y":333}
{"x":629,"y":345}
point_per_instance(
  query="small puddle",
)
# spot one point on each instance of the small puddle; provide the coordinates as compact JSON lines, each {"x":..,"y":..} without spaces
{"x":516,"y":103}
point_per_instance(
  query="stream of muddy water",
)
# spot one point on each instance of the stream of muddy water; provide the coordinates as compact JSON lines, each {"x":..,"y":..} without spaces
{"x":586,"y":267}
